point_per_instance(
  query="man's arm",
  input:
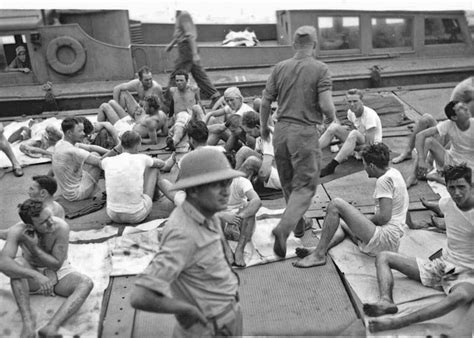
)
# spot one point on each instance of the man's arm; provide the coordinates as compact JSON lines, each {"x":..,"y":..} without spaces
{"x":327,"y":105}
{"x":144,"y":299}
{"x":33,"y":146}
{"x":265,"y":112}
{"x":92,"y":147}
{"x":254,"y":203}
{"x":215,"y":113}
{"x":266,"y":167}
{"x":110,"y":129}
{"x":420,"y":144}
{"x":384,"y":213}
{"x":94,"y":160}
{"x":130,"y":86}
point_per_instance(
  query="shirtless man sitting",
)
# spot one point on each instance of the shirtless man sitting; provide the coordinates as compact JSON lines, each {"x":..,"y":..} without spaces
{"x":453,"y":271}
{"x":366,"y":129}
{"x":44,"y":241}
{"x":43,"y":189}
{"x":374,"y":234}
{"x":144,"y":86}
{"x":38,"y":146}
{"x":185,"y":105}
{"x":148,"y":121}
{"x":459,"y":128}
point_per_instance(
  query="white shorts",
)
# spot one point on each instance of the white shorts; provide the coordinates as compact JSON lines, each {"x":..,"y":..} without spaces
{"x":124,"y":124}
{"x":440,"y":274}
{"x":87,"y":188}
{"x":385,"y":238}
{"x":133,"y":218}
{"x":63,"y":271}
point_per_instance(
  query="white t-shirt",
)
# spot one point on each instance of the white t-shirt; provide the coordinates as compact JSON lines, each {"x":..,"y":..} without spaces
{"x":369,"y":119}
{"x":459,"y":234}
{"x":462,"y":142}
{"x":67,"y":163}
{"x":243,"y":108}
{"x":124,"y":176}
{"x":392,"y":185}
{"x":238,"y":190}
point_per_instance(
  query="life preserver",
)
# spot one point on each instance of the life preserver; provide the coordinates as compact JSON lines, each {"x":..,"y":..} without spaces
{"x":65,"y":42}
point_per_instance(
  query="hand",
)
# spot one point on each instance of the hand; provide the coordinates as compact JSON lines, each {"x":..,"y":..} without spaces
{"x":265,"y":133}
{"x":191,"y":316}
{"x":25,"y":70}
{"x":29,"y":237}
{"x":46,"y":284}
{"x":231,"y":218}
{"x":264,"y":171}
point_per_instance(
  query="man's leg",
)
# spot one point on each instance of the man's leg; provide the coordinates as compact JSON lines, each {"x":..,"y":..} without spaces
{"x":203,"y":82}
{"x":385,"y":262}
{"x":6,"y":148}
{"x":333,"y":130}
{"x":246,"y":232}
{"x":127,"y":102}
{"x":297,"y":156}
{"x":21,"y":293}
{"x":359,"y":225}
{"x":425,"y":122}
{"x":107,"y":113}
{"x":217,"y":132}
{"x":353,"y":139}
{"x":76,"y":287}
{"x":179,"y":130}
{"x":460,"y":295}
{"x":437,"y":151}
{"x":149,"y":181}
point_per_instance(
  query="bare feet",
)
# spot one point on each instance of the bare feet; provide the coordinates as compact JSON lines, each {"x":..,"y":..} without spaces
{"x":279,"y":247}
{"x":383,"y":324}
{"x":402,"y":157}
{"x":302,"y":252}
{"x":239,"y":258}
{"x":380,"y":308}
{"x":49,"y":331}
{"x":169,"y":163}
{"x":310,"y":261}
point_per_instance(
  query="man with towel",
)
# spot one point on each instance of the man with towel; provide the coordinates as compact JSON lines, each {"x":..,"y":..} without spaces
{"x":302,"y":85}
{"x":453,"y":271}
{"x":44,"y":241}
{"x":190,"y":276}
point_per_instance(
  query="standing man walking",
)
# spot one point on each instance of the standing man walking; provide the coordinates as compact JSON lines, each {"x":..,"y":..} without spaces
{"x":302,"y":86}
{"x":185,"y":36}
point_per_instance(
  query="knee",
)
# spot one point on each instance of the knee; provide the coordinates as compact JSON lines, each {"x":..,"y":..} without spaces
{"x":426,"y":121}
{"x":335,"y":205}
{"x":333,"y":128}
{"x":87,"y":284}
{"x":462,"y":294}
{"x":353,"y":135}
{"x":384,"y":258}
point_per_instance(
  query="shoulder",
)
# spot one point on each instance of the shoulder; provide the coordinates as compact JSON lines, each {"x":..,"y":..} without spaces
{"x":61,"y":224}
{"x":16,"y":230}
{"x":370,"y":112}
{"x":156,"y":85}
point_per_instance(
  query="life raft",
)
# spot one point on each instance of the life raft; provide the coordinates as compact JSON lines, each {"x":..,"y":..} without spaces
{"x":65,"y":42}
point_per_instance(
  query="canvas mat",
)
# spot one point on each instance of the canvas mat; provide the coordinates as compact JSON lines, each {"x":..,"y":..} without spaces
{"x":86,"y":321}
{"x":359,"y":270}
{"x":141,"y":243}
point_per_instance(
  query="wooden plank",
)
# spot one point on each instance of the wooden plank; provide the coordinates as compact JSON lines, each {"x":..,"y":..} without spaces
{"x":430,"y":101}
{"x":148,"y":324}
{"x":119,"y":314}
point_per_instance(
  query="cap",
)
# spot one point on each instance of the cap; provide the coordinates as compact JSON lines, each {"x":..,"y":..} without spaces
{"x":20,"y":49}
{"x":305,"y":35}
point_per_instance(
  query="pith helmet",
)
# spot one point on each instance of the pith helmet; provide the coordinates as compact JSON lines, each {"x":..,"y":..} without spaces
{"x":203,"y":166}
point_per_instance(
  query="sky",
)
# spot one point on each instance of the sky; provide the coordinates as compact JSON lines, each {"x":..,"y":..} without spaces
{"x":242,"y":11}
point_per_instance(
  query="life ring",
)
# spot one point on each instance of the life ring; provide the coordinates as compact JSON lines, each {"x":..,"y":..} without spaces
{"x":65,"y":42}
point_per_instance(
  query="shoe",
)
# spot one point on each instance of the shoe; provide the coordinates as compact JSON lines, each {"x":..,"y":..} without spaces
{"x":326,"y":171}
{"x":170,"y":144}
{"x":18,"y":171}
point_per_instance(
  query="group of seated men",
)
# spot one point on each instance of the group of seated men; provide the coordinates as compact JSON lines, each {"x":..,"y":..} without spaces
{"x":131,"y":181}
